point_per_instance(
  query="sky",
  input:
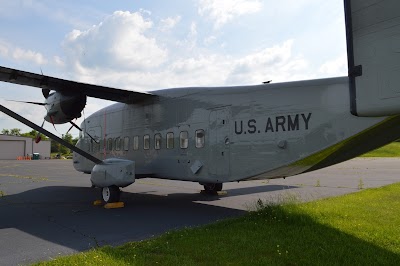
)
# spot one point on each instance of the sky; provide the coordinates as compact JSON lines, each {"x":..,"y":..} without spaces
{"x":158,"y":44}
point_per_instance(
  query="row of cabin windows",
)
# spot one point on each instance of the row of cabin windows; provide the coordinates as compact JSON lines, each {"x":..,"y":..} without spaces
{"x":123,"y":144}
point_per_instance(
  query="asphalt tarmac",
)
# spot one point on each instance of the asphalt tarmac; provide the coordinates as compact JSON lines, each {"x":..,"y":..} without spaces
{"x":46,"y":206}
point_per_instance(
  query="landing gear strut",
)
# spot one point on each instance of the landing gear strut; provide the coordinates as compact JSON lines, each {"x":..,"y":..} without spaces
{"x":212,"y":187}
{"x":110,"y":194}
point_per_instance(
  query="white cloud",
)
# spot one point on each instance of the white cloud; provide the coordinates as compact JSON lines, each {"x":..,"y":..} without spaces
{"x":119,"y":43}
{"x":120,"y":52}
{"x":275,"y":63}
{"x":223,"y":11}
{"x":8,"y":50}
{"x":58,"y":61}
{"x":209,"y":40}
{"x":336,"y":67}
{"x":169,"y":23}
{"x":28,"y":55}
{"x":3,"y":49}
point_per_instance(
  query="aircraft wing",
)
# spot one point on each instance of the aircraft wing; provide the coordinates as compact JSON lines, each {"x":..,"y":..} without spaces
{"x":45,"y":82}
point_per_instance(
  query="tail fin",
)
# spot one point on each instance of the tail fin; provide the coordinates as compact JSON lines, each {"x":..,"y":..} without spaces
{"x":373,"y":49}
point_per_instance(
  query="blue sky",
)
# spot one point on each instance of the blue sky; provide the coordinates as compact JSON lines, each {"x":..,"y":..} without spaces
{"x":149,"y":45}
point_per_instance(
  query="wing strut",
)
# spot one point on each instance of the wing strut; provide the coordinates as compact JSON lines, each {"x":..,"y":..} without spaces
{"x":48,"y":134}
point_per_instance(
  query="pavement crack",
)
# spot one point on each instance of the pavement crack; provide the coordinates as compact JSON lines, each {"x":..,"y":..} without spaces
{"x":52,"y":219}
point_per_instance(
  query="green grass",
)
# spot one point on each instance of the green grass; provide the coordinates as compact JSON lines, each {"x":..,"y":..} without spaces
{"x":362,"y":228}
{"x":390,"y":150}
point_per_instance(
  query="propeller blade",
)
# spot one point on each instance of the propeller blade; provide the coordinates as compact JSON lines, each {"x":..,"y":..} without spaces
{"x":80,"y":129}
{"x":70,"y":129}
{"x":28,"y":102}
{"x":38,"y":137}
{"x":46,"y":93}
{"x":52,"y":122}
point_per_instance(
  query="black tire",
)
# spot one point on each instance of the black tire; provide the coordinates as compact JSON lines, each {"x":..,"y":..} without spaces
{"x":110,"y":194}
{"x":212,"y":187}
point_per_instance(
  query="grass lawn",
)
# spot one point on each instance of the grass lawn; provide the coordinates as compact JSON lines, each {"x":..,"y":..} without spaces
{"x":390,"y":150}
{"x":357,"y":229}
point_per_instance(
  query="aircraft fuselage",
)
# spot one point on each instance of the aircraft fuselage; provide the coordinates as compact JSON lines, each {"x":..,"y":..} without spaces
{"x":217,"y":135}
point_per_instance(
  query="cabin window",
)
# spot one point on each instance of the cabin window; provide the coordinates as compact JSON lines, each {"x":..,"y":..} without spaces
{"x":184,"y":139}
{"x":136,"y":143}
{"x":170,"y":140}
{"x":200,"y":138}
{"x":126,"y":143}
{"x":157,"y":141}
{"x":146,"y":142}
{"x":117,"y":144}
{"x":109,"y":144}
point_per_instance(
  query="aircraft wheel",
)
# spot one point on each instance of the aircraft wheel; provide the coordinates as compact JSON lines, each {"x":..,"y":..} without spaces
{"x":212,"y":187}
{"x":110,"y":194}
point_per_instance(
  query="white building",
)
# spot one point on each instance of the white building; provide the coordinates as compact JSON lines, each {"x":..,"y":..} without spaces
{"x":12,"y":147}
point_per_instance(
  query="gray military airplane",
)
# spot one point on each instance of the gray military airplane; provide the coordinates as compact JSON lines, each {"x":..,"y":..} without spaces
{"x":214,"y":135}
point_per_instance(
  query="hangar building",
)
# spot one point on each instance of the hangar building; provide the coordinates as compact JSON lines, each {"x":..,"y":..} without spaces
{"x":12,"y":147}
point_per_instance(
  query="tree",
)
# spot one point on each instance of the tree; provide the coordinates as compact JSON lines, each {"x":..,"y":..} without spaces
{"x":33,"y":134}
{"x":30,"y":134}
{"x":68,"y":138}
{"x":55,"y":147}
{"x":15,"y":131}
{"x":5,"y":131}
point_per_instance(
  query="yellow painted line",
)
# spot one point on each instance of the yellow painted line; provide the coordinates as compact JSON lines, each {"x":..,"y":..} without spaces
{"x":10,"y":166}
{"x":160,"y":185}
{"x":27,"y":177}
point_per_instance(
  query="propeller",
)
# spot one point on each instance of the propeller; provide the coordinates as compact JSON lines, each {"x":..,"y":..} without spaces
{"x":80,"y":129}
{"x":36,"y":103}
{"x":46,"y":93}
{"x":38,"y":137}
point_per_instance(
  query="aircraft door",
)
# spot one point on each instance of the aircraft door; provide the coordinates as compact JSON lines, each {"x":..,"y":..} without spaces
{"x":219,"y":142}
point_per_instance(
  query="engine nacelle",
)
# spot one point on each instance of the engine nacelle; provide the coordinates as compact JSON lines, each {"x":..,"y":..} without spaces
{"x":113,"y":172}
{"x":62,"y":108}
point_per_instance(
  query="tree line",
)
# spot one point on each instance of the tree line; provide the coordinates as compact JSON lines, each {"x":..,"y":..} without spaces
{"x":55,"y":146}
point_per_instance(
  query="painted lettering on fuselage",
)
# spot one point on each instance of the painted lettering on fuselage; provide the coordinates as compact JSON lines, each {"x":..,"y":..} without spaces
{"x":281,"y":123}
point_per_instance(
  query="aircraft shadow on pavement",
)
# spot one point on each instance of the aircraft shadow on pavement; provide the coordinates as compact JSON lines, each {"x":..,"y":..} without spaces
{"x":65,"y":215}
{"x":257,"y":189}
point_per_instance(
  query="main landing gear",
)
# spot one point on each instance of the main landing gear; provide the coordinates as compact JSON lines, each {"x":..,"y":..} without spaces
{"x":212,"y":188}
{"x":110,"y":194}
{"x":110,"y":198}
